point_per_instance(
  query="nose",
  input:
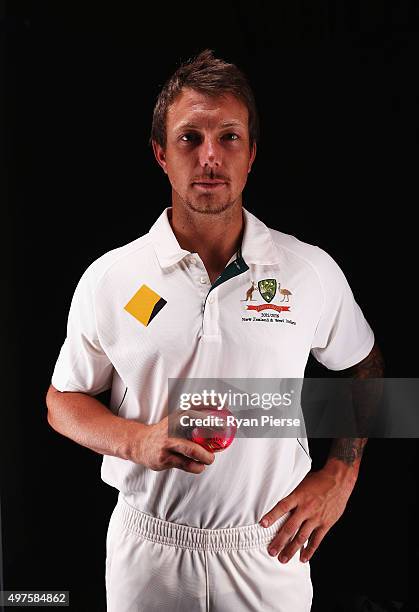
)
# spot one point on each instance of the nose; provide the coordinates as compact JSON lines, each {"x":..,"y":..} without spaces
{"x":209,"y":153}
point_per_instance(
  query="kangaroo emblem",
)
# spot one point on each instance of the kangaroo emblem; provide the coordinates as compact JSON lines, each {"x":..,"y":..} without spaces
{"x":249,"y":293}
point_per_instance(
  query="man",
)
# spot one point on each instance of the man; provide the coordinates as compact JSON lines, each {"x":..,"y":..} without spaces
{"x":233,"y":531}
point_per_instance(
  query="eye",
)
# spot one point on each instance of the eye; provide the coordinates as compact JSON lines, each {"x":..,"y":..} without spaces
{"x":189,"y":136}
{"x":235,"y":136}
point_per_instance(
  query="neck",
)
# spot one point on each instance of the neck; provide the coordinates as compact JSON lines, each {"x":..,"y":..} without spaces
{"x":215,"y":237}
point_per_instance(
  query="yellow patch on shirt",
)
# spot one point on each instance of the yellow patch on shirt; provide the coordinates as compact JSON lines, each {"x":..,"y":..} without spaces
{"x":145,"y":304}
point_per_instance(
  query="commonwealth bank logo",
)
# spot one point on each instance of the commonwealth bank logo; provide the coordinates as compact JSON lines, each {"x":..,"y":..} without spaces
{"x":145,"y":304}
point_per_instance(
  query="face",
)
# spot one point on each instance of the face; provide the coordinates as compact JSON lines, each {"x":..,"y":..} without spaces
{"x":207,"y":156}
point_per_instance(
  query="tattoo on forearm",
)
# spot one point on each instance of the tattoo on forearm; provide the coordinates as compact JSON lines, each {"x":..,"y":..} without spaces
{"x":348,"y":449}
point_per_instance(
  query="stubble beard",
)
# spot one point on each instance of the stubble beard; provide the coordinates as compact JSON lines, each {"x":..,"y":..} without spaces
{"x":207,"y":206}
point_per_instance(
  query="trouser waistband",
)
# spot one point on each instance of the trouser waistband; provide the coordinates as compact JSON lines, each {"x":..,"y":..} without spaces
{"x":183,"y":536}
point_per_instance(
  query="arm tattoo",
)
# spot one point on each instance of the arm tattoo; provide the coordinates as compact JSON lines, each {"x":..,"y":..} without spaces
{"x":349,"y":450}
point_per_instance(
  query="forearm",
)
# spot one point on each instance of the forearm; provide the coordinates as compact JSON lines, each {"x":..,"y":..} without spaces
{"x":345,"y":458}
{"x":346,"y":453}
{"x":88,"y":422}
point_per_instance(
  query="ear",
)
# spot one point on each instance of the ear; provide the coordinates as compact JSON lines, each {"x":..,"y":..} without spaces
{"x":160,"y":155}
{"x":252,"y":157}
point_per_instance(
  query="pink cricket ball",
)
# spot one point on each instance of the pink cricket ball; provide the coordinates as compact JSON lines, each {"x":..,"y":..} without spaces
{"x":215,"y":438}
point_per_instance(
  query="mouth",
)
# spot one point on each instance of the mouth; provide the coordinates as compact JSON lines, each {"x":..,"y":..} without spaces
{"x":209,"y":185}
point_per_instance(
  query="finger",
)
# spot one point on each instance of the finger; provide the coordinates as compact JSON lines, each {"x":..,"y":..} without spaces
{"x":285,"y":533}
{"x":187,"y":465}
{"x":313,"y":543}
{"x":192,"y":450}
{"x":281,"y":508}
{"x":193,"y":467}
{"x":298,"y":541}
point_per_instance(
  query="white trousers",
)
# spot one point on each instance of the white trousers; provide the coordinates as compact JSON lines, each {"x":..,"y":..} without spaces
{"x":154,"y":565}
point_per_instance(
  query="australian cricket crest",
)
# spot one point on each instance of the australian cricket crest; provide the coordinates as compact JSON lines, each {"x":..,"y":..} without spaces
{"x":267,"y":289}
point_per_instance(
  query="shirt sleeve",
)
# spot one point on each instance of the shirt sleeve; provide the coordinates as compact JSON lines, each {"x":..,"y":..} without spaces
{"x":83,"y":365}
{"x":343,"y":336}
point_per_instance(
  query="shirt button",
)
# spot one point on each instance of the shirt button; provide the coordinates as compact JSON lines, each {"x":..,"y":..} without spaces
{"x":192,"y":260}
{"x":211,"y":300}
{"x":203,"y":280}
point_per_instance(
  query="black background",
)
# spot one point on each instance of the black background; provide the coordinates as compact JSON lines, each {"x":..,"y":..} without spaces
{"x":336,"y":88}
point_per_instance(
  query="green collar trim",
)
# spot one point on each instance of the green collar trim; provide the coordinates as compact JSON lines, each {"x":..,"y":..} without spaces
{"x":236,"y":267}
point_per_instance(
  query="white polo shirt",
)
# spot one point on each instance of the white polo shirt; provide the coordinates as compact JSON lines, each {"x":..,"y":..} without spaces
{"x":146,"y":312}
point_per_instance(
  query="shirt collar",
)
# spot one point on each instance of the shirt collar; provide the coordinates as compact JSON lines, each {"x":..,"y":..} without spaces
{"x":257,"y":246}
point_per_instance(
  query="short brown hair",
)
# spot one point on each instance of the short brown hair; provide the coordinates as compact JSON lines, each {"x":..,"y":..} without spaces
{"x":210,"y":76}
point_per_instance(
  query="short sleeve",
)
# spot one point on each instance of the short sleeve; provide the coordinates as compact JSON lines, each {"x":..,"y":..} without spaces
{"x":343,"y":336}
{"x":82,"y":365}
